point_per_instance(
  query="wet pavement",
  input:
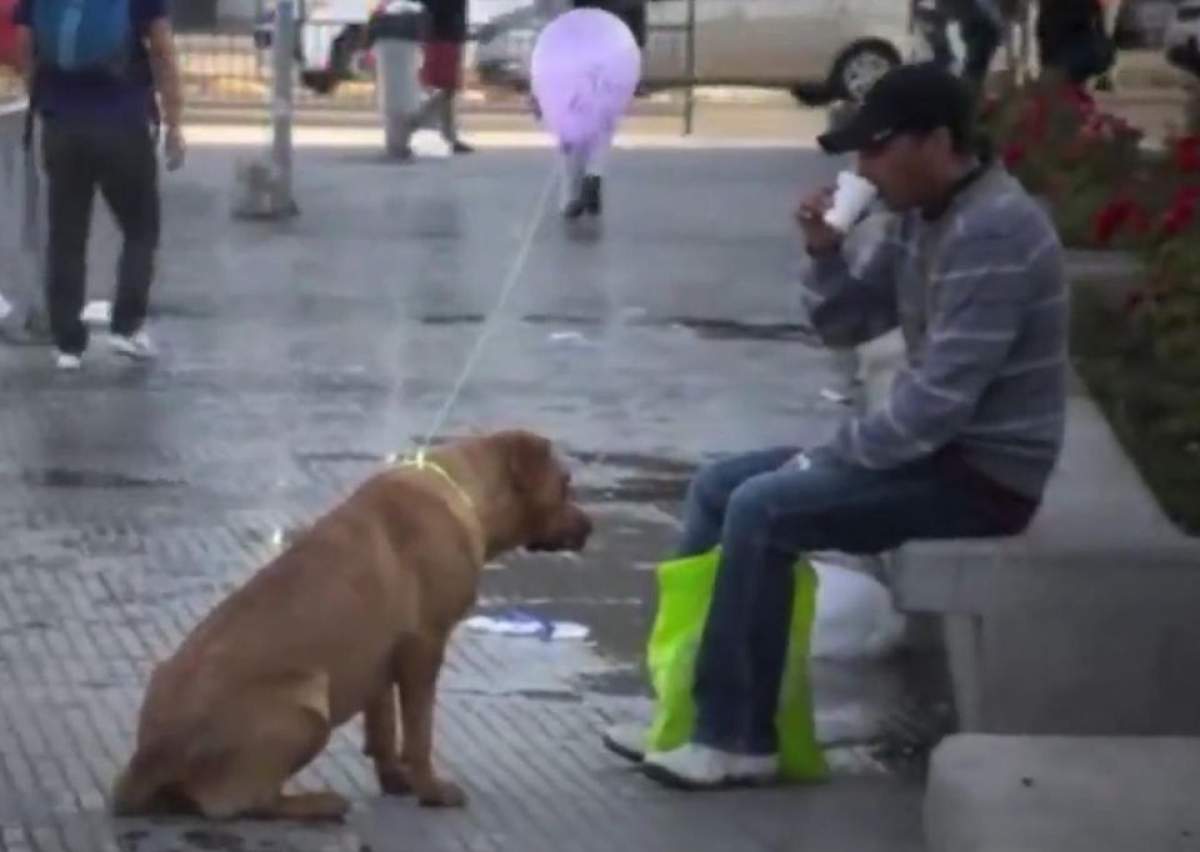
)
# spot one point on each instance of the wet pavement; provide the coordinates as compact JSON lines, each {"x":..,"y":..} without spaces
{"x":296,"y":357}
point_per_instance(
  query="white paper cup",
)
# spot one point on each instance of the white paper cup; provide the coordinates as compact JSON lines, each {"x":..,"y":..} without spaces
{"x":854,"y":193}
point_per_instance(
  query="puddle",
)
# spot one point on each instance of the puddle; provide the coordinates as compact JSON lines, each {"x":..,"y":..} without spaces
{"x":58,"y":477}
{"x":634,"y":489}
{"x":552,"y":695}
{"x":709,"y":329}
{"x":649,"y":464}
{"x":339,"y":456}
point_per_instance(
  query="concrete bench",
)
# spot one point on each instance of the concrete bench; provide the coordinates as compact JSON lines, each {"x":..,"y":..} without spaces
{"x":1085,"y":624}
{"x":1059,"y":794}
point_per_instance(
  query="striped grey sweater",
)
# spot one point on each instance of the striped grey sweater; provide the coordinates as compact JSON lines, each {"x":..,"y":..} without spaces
{"x":980,"y":296}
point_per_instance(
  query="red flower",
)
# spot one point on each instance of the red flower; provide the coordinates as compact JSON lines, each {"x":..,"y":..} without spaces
{"x":1111,"y":218}
{"x":1186,"y":195}
{"x":1013,"y":154}
{"x":1141,"y":221}
{"x":1134,"y":301}
{"x":1187,"y":154}
{"x":1036,"y":119}
{"x":1077,"y":97}
{"x":1181,"y":214}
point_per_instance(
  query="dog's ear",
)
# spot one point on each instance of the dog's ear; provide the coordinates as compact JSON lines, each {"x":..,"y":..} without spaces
{"x":530,"y":458}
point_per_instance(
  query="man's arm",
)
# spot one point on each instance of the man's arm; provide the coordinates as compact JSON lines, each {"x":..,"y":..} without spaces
{"x":165,"y":65}
{"x":980,"y":310}
{"x":847,"y":308}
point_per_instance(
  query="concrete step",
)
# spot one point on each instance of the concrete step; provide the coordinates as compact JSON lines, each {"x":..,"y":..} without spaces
{"x":1060,"y":794}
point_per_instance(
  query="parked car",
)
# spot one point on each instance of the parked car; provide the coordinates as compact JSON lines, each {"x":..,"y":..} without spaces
{"x":1182,"y":40}
{"x":821,"y":50}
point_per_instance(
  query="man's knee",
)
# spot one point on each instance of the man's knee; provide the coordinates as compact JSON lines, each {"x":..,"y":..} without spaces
{"x":704,"y":486}
{"x":750,"y":505}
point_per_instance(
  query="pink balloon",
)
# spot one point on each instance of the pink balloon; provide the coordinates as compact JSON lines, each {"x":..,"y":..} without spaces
{"x":585,"y":68}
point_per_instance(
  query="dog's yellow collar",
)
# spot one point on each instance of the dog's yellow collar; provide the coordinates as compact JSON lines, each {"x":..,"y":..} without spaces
{"x":421,"y":462}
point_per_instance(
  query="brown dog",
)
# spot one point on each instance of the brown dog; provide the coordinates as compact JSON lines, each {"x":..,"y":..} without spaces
{"x":360,"y":605}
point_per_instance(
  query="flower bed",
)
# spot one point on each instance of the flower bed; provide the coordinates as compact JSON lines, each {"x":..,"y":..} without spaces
{"x":1141,"y":356}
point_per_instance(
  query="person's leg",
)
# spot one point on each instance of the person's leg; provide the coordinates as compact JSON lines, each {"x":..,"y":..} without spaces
{"x":422,"y":117}
{"x":635,"y":18}
{"x":1111,"y":10}
{"x":574,"y":162}
{"x":982,"y":30}
{"x":71,"y":183}
{"x":596,"y":159}
{"x":712,"y":487}
{"x":449,"y":123}
{"x":932,"y":22}
{"x":128,"y":176}
{"x":769,"y":521}
{"x":446,"y":118}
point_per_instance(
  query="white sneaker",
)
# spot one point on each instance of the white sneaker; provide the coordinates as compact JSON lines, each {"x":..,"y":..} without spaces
{"x":627,"y":740}
{"x":67,"y":361}
{"x":137,"y":346}
{"x":700,"y":767}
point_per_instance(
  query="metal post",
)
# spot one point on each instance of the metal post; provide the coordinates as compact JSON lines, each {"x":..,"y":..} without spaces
{"x":283,"y":104}
{"x":689,"y":104}
{"x":264,"y":184}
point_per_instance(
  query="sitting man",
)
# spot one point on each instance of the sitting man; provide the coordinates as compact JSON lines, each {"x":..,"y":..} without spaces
{"x":971,"y":271}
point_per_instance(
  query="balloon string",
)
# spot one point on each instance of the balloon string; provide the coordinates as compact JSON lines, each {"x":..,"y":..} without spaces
{"x":514,"y":276}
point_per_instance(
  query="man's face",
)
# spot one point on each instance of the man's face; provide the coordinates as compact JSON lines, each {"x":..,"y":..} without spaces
{"x":902,"y":167}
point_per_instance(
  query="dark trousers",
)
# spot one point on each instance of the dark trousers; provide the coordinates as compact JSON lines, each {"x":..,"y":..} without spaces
{"x":120,"y":159}
{"x":765,"y":510}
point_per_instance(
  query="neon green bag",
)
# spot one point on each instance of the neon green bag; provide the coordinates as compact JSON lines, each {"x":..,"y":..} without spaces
{"x":685,"y":589}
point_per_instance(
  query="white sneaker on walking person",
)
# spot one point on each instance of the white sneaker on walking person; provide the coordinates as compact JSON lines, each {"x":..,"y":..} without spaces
{"x":137,"y":346}
{"x":67,"y":362}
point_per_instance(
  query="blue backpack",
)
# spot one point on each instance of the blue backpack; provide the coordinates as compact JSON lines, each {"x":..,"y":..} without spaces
{"x":84,"y":36}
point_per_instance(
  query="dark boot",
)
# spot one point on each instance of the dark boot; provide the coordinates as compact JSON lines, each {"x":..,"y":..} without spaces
{"x":575,"y":209}
{"x":589,"y":195}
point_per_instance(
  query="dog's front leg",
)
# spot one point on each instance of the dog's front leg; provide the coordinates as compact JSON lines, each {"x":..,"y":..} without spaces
{"x":418,"y":662}
{"x":381,"y":742}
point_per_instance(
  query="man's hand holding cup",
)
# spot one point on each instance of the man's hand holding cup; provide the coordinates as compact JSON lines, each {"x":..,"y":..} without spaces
{"x":827,"y":216}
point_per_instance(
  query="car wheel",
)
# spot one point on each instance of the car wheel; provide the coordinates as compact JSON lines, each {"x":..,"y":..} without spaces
{"x":860,"y":67}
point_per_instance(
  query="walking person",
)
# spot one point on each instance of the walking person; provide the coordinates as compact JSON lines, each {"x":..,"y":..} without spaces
{"x":441,"y":75}
{"x":584,"y":163}
{"x":1112,"y":13}
{"x":1072,"y":41}
{"x":103,"y":80}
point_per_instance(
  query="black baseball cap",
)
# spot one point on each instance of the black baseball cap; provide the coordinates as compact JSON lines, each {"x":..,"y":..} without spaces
{"x":917,"y":98}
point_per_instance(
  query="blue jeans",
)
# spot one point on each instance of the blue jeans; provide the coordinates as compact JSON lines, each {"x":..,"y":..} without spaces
{"x":765,"y":510}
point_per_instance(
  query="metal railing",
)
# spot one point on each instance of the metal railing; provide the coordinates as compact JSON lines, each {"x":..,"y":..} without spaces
{"x":233,"y":68}
{"x":230,"y":67}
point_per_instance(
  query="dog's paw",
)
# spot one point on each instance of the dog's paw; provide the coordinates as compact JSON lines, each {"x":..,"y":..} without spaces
{"x":441,"y":794}
{"x":393,"y":778}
